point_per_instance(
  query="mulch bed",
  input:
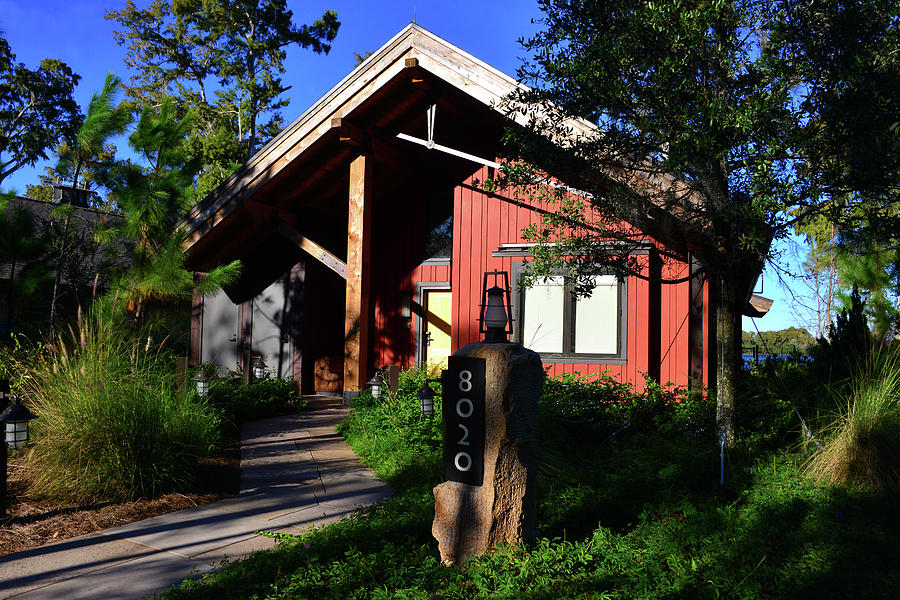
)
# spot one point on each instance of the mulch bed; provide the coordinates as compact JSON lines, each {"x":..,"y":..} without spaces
{"x":29,"y":523}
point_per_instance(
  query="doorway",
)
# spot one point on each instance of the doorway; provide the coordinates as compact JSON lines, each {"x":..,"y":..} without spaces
{"x":437,"y":306}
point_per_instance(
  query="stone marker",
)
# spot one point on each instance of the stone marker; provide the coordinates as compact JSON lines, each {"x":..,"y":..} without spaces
{"x":469,"y":519}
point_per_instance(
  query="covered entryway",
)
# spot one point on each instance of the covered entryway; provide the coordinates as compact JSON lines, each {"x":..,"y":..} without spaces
{"x":350,"y":190}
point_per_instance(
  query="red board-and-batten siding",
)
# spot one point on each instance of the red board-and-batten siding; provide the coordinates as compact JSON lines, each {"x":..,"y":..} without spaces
{"x":396,"y":247}
{"x":395,"y":338}
{"x":481,"y":223}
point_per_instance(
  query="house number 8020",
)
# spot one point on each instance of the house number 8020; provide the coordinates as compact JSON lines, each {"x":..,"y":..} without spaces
{"x":463,"y":411}
{"x":464,"y":408}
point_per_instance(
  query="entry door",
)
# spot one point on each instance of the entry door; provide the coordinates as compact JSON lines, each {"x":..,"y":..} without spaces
{"x":438,"y":305}
{"x":272,"y":328}
{"x":219,"y":332}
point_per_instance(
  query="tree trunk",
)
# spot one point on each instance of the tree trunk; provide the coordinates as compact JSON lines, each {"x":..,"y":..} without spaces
{"x":251,"y":67}
{"x":58,"y":274}
{"x":11,"y":302}
{"x":728,"y":346}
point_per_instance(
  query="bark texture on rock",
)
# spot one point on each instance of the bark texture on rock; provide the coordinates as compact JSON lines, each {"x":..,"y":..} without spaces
{"x":470,"y":519}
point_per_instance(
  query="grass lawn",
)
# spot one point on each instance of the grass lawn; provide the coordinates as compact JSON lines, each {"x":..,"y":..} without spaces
{"x":640,"y":515}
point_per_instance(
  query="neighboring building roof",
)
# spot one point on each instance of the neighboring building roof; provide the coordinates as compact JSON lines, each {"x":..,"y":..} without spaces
{"x":83,"y":221}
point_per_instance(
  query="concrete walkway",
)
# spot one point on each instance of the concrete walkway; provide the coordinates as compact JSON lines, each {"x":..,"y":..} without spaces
{"x":296,"y":471}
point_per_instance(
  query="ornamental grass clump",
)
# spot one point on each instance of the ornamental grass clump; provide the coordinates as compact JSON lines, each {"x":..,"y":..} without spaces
{"x":863,"y":446}
{"x":112,"y":424}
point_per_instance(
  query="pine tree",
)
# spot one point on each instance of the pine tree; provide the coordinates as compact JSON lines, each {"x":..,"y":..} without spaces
{"x":153,"y":198}
{"x":104,"y":120}
{"x":223,"y":60}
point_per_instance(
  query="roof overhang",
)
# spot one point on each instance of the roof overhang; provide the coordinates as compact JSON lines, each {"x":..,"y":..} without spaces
{"x":757,"y":306}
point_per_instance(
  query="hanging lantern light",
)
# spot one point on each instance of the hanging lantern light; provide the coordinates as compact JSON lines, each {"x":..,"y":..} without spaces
{"x":201,"y":381}
{"x":259,"y":367}
{"x":377,"y":384}
{"x":495,"y":308}
{"x":15,"y":420}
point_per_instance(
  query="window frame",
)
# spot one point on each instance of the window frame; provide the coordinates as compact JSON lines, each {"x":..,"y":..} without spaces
{"x":568,"y":355}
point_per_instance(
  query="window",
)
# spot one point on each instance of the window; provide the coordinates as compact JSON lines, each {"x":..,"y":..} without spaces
{"x":557,"y":324}
{"x":439,"y":241}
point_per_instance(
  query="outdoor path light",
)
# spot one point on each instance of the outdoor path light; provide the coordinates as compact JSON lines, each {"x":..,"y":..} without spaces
{"x":259,"y":367}
{"x":14,"y":420}
{"x":426,"y":397}
{"x":376,"y":383}
{"x":201,"y":381}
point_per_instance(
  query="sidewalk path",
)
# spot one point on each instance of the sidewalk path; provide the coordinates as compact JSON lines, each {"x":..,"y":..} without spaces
{"x":296,"y":471}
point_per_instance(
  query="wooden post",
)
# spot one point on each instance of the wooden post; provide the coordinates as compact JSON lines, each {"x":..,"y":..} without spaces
{"x":194,"y":346}
{"x":654,"y":311}
{"x":246,"y":366}
{"x":359,"y":242}
{"x":298,"y":305}
{"x":246,"y":340}
{"x":392,"y":378}
{"x":4,"y":402}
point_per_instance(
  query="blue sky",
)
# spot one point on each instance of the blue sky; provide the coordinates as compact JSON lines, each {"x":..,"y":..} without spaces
{"x":76,"y":32}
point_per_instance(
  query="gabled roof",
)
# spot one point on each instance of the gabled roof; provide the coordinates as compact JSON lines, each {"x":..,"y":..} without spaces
{"x":412,"y":48}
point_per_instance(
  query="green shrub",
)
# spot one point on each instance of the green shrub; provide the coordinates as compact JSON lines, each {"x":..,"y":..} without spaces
{"x":602,"y":405}
{"x":111,"y":423}
{"x":597,"y":403}
{"x":771,"y":395}
{"x":258,"y":399}
{"x":393,"y":438}
{"x":863,"y":445}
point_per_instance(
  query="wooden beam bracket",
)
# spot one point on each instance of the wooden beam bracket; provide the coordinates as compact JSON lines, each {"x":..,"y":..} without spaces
{"x":351,"y":133}
{"x":313,"y":249}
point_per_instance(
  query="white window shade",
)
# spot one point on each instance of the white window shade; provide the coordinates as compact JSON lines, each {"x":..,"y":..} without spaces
{"x":597,"y":318}
{"x":542,"y":330}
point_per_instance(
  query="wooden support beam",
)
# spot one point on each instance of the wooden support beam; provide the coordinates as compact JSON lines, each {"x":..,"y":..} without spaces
{"x":313,"y":249}
{"x":194,"y":347}
{"x":359,"y":243}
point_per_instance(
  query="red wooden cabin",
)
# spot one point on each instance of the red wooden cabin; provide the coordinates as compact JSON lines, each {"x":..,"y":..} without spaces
{"x":365,"y":245}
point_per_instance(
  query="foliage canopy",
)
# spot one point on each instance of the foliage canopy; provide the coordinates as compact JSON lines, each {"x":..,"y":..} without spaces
{"x":221,"y":59}
{"x":36,"y":109}
{"x":716,"y":131}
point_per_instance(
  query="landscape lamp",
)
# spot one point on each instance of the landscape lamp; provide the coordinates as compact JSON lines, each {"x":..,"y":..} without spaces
{"x":202,"y":382}
{"x":377,"y":384}
{"x":259,"y":367}
{"x":15,"y":421}
{"x":426,"y":398}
